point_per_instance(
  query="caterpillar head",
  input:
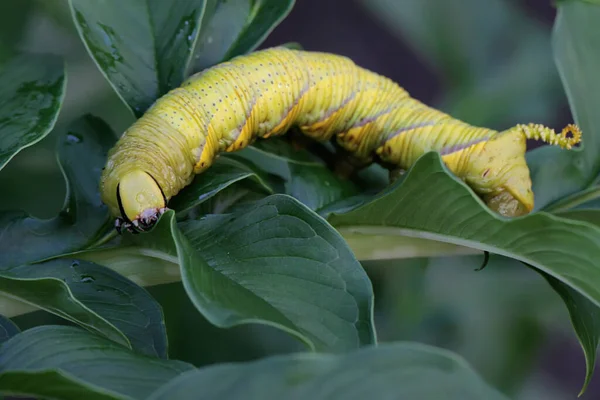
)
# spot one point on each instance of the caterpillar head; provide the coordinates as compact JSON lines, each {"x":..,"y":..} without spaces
{"x":141,"y":202}
{"x":499,"y":172}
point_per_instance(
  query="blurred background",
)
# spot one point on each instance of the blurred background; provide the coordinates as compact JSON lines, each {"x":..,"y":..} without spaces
{"x":487,"y":62}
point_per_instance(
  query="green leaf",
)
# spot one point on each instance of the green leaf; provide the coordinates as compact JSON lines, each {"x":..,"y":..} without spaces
{"x":394,"y":371}
{"x":295,"y":262}
{"x":54,"y":295}
{"x":223,"y":173}
{"x":274,"y":262}
{"x":232,"y":28}
{"x":585,"y":317}
{"x":430,"y":203}
{"x":306,"y":178}
{"x":33,"y":88}
{"x":68,"y":363}
{"x":94,"y":297}
{"x":576,"y":41}
{"x":8,"y":329}
{"x":82,"y":154}
{"x":145,"y":59}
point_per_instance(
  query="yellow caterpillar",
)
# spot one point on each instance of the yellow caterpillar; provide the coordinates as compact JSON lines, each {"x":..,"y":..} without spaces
{"x":226,"y":107}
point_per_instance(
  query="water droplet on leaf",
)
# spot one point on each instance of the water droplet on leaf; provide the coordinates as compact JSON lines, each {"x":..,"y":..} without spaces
{"x":73,"y":138}
{"x":87,"y":279}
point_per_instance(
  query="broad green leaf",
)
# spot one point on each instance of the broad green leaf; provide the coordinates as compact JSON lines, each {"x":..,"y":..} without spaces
{"x":305,"y":177}
{"x":82,"y":154}
{"x":94,"y":297}
{"x":68,"y":363}
{"x":293,"y":260}
{"x":143,"y":47}
{"x":390,"y":371}
{"x":232,"y":28}
{"x":31,"y":96}
{"x":576,"y":41}
{"x":223,"y":173}
{"x":8,"y":329}
{"x":430,"y":203}
{"x":274,"y":262}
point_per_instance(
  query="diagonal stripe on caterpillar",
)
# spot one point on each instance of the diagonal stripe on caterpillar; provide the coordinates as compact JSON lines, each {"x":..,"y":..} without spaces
{"x":226,"y":107}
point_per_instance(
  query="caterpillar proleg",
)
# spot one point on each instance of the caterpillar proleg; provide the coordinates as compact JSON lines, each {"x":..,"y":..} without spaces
{"x":263,"y":94}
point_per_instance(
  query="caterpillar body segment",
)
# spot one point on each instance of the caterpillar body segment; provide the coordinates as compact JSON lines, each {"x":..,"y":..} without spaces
{"x":263,"y":94}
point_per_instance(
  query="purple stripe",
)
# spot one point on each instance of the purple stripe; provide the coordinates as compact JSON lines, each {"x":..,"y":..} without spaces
{"x":368,"y":120}
{"x":405,"y":129}
{"x":333,"y":111}
{"x":462,"y":146}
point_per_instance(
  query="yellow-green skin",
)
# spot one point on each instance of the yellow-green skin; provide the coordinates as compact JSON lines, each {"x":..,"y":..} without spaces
{"x":226,"y":107}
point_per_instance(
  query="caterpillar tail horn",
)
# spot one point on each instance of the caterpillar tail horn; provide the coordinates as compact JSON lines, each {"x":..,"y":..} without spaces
{"x":570,"y":135}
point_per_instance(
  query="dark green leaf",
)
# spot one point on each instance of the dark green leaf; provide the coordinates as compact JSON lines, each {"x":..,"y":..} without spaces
{"x":222,"y":174}
{"x":82,"y":154}
{"x":585,"y":317}
{"x":96,"y":296}
{"x":8,"y":329}
{"x":33,"y":88}
{"x":68,"y":363}
{"x":390,"y":371}
{"x":274,"y":262}
{"x":576,"y":41}
{"x":305,"y":177}
{"x":296,"y":263}
{"x":232,"y":28}
{"x":54,"y":295}
{"x":143,"y":47}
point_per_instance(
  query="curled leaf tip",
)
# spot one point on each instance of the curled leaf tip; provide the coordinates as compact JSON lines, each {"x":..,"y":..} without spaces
{"x":570,"y":135}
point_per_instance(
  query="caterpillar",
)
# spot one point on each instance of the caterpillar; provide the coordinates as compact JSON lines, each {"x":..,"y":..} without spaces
{"x":263,"y":94}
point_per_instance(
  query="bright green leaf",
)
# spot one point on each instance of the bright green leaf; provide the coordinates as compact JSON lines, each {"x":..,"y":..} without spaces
{"x":32,"y":89}
{"x":390,"y":371}
{"x":143,"y":47}
{"x":94,"y":297}
{"x":82,"y":154}
{"x":8,"y":329}
{"x":68,"y":363}
{"x":232,"y":28}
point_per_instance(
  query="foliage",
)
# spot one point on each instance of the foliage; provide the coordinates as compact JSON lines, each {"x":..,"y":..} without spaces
{"x":270,"y":237}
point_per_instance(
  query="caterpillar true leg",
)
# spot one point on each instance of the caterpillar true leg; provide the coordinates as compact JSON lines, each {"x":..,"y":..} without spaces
{"x":326,"y":97}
